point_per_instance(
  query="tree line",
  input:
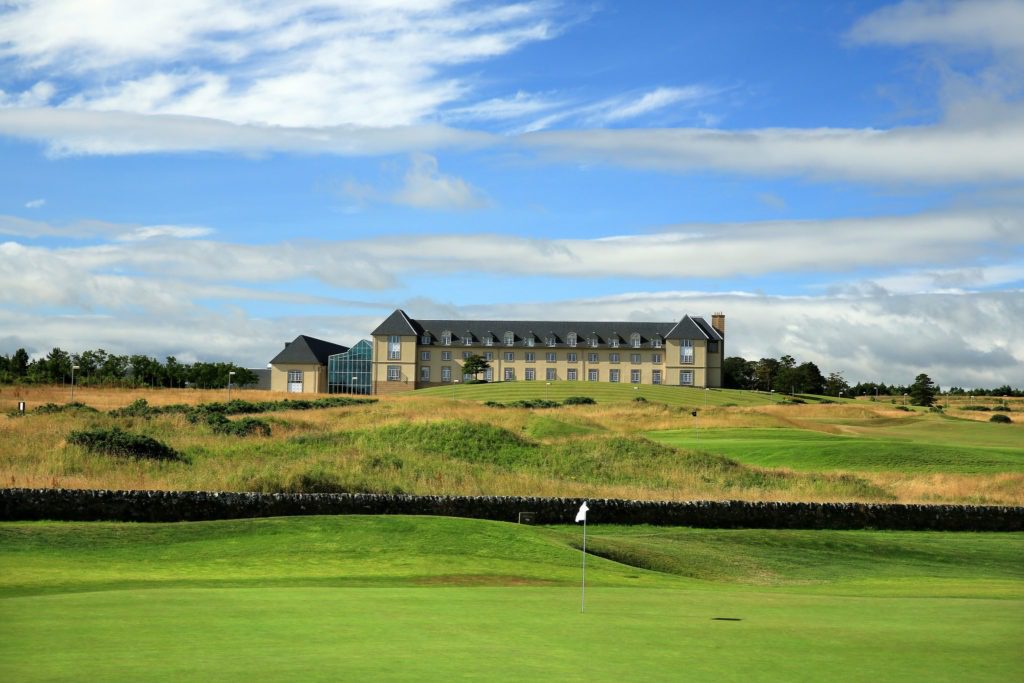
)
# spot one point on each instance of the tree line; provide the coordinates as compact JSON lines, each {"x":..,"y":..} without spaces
{"x":99,"y":368}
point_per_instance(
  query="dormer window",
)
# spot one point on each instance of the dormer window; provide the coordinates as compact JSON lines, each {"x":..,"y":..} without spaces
{"x":614,"y":341}
{"x":425,"y":339}
{"x":530,"y":340}
{"x":634,"y":340}
{"x":656,"y":342}
{"x":571,"y":339}
{"x":468,"y":340}
{"x":446,"y":337}
{"x":489,"y":340}
{"x":550,"y":340}
{"x":593,"y":341}
{"x":510,"y":338}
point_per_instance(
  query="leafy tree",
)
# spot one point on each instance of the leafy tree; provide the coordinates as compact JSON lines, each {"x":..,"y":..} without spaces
{"x":738,"y":373}
{"x":806,"y":379}
{"x":923,"y":390}
{"x":836,"y":384}
{"x":766,"y":371}
{"x":474,"y":365}
{"x":19,"y":363}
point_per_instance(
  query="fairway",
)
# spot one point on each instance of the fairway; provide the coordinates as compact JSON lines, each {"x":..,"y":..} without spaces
{"x":407,"y":598}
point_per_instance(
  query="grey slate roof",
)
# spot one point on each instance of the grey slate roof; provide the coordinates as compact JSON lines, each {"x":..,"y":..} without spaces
{"x":688,"y":328}
{"x":308,"y":350}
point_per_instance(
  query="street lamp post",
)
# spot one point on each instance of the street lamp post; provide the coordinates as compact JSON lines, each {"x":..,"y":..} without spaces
{"x":231,"y":373}
{"x":454,"y":382}
{"x":355,"y":378}
{"x":904,"y":399}
{"x":706,"y":391}
{"x":73,"y":368}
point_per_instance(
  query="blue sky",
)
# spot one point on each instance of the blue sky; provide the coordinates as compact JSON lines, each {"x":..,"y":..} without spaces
{"x":207,"y":180}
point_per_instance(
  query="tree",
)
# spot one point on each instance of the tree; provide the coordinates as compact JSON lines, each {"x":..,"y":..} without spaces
{"x":836,"y":384}
{"x":19,"y":363}
{"x":923,"y":390}
{"x":807,"y":379}
{"x":766,"y":371}
{"x":474,"y":365}
{"x":737,"y":373}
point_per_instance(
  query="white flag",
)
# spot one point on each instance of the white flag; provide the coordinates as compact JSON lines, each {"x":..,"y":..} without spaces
{"x":581,"y":516}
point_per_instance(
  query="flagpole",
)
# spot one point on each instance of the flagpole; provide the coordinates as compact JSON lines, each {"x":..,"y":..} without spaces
{"x":583,"y":594}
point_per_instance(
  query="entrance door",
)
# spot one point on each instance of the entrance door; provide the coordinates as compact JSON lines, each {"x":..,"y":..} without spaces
{"x":295,"y":381}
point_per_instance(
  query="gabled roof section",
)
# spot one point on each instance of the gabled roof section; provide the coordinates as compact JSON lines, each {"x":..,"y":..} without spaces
{"x":398,"y":323}
{"x":687,"y":328}
{"x":711,"y":332}
{"x":308,"y":350}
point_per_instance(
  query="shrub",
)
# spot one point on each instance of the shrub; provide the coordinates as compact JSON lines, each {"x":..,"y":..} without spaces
{"x":579,"y":401}
{"x":494,"y":404}
{"x":534,"y":403}
{"x":639,"y":399}
{"x":49,"y":408}
{"x":904,"y":409}
{"x":1000,"y":418}
{"x":978,"y":408}
{"x":245,"y":426}
{"x":1002,"y":409}
{"x":137,"y":408}
{"x":117,"y":442}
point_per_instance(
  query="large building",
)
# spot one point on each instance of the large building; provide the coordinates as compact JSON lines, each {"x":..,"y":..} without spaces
{"x":301,"y":367}
{"x":413,"y":354}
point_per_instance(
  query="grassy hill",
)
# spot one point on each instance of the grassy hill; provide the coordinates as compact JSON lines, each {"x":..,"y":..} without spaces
{"x":404,"y":598}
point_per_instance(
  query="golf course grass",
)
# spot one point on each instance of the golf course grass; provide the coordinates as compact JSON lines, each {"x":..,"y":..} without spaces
{"x":414,"y":598}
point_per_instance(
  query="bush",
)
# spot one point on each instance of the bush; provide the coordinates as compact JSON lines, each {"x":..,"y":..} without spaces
{"x":1002,"y":409}
{"x":117,"y":442}
{"x":904,"y":409}
{"x":579,"y":401}
{"x":639,"y":399}
{"x":494,"y":404}
{"x":978,"y":408}
{"x":49,"y":408}
{"x":137,"y":408}
{"x":245,"y":426}
{"x":1000,"y":418}
{"x":535,"y":403}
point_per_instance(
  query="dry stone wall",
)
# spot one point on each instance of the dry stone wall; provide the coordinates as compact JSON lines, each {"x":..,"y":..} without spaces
{"x":182,"y":506}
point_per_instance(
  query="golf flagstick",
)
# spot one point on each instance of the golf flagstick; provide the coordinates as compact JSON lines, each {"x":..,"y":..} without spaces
{"x":582,"y":515}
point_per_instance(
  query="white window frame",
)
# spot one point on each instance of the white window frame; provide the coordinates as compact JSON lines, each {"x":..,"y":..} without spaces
{"x":655,"y":357}
{"x":593,"y":375}
{"x":425,"y":339}
{"x":424,"y":373}
{"x":613,"y":358}
{"x":489,"y":375}
{"x":424,"y":355}
{"x":467,"y":377}
{"x":634,"y":359}
{"x":394,"y":373}
{"x":656,"y":342}
{"x":488,"y":356}
{"x":551,"y":375}
{"x":530,"y":374}
{"x":295,"y":377}
{"x":686,"y":351}
{"x":593,"y":341}
{"x":510,"y":339}
{"x":394,"y":347}
{"x":467,"y":340}
{"x":570,"y":357}
{"x":510,"y":356}
{"x":686,"y":378}
{"x":446,"y":337}
{"x":634,"y":340}
{"x":613,"y":342}
{"x":613,"y":376}
{"x":551,"y":340}
{"x":446,"y":374}
{"x":634,"y":377}
{"x":593,"y":358}
{"x":531,"y":357}
{"x":466,"y":354}
{"x":489,"y":340}
{"x":655,"y":376}
{"x":530,"y":341}
{"x":571,"y":339}
{"x":446,"y":355}
{"x":551,"y":357}
{"x":570,"y":374}
{"x":510,"y":374}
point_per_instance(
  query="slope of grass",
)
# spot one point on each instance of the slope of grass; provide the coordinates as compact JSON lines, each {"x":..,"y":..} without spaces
{"x":867,"y":451}
{"x":402,"y":598}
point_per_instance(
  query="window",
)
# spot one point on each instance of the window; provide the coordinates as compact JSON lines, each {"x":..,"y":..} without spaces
{"x":593,"y":341}
{"x":712,"y":347}
{"x":634,"y":376}
{"x":530,"y":356}
{"x":446,"y":355}
{"x":551,"y":356}
{"x":591,"y":357}
{"x":613,"y":358}
{"x":425,"y":339}
{"x":656,"y":377}
{"x":510,"y":375}
{"x":295,"y":381}
{"x":571,"y":339}
{"x":510,"y":338}
{"x":614,"y":342}
{"x":686,"y":351}
{"x":571,"y":357}
{"x":446,"y":374}
{"x":655,"y":357}
{"x":468,"y":340}
{"x":656,"y":342}
{"x":592,"y":375}
{"x":613,"y":375}
{"x":634,"y":358}
{"x":510,"y":355}
{"x":394,"y":373}
{"x":529,"y":341}
{"x":489,"y":340}
{"x":571,"y":374}
{"x":446,"y":337}
{"x":424,"y":355}
{"x":489,"y":375}
{"x":550,"y":341}
{"x":466,"y":377}
{"x":394,"y":348}
{"x":424,"y":373}
{"x":551,"y":374}
{"x":530,"y":374}
{"x":466,"y":354}
{"x":488,"y":356}
{"x":686,"y":377}
{"x":634,"y":340}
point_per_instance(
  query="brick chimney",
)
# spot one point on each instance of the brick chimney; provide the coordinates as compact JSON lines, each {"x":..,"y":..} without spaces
{"x":718,"y":322}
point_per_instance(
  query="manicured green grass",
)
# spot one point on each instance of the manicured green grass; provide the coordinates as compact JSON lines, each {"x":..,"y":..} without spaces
{"x":861,"y":450}
{"x":604,"y":392}
{"x":405,"y":598}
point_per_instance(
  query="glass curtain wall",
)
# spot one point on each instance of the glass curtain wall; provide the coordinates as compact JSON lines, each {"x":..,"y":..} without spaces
{"x":351,"y":372}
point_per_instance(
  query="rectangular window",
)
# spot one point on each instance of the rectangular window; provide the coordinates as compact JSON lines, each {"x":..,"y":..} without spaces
{"x":571,"y":340}
{"x":394,"y":348}
{"x":394,"y":373}
{"x":551,"y":356}
{"x":593,"y":342}
{"x":634,"y":376}
{"x":551,"y":374}
{"x":295,"y":376}
{"x":591,"y":357}
{"x":468,"y":341}
{"x":571,"y":357}
{"x":425,"y":373}
{"x":686,"y":377}
{"x":425,"y":339}
{"x":686,"y":351}
{"x":656,"y":377}
{"x":488,"y":340}
{"x":510,"y":374}
{"x":529,"y":342}
{"x":446,"y":338}
{"x":488,"y":356}
{"x":551,"y":341}
{"x":510,"y":339}
{"x":510,"y":355}
{"x":424,"y":355}
{"x":614,"y":343}
{"x":571,"y":374}
{"x":592,"y":375}
{"x":613,"y":358}
{"x":655,"y":357}
{"x":466,"y":377}
{"x":635,"y":341}
{"x":489,"y":375}
{"x":446,"y":374}
{"x":446,"y":355}
{"x":613,"y":375}
{"x":530,"y":374}
{"x":712,"y":347}
{"x":530,"y":356}
{"x":634,"y":358}
{"x":465,"y":355}
{"x":656,"y":343}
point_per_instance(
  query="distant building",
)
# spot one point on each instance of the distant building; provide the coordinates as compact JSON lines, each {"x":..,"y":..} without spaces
{"x":409,"y":353}
{"x":301,"y":368}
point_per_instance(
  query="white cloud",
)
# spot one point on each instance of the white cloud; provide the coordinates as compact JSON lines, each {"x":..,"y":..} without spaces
{"x":35,"y":203}
{"x":621,"y":109}
{"x":164,"y":231}
{"x":424,"y":187}
{"x":973,"y":24}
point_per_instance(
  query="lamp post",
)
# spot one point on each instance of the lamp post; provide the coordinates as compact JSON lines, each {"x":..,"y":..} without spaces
{"x":904,"y":399}
{"x":73,"y":368}
{"x":706,"y":391}
{"x":231,"y":373}
{"x":355,"y":378}
{"x":454,"y":382}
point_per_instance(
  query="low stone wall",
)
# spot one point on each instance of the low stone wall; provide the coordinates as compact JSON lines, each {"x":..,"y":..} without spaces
{"x":179,"y":506}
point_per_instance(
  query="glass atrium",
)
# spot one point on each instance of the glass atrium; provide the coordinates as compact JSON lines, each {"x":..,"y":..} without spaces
{"x":351,"y":372}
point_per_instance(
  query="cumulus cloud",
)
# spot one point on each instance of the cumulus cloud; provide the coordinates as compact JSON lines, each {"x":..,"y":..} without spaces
{"x":424,"y":187}
{"x":971,"y":24}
